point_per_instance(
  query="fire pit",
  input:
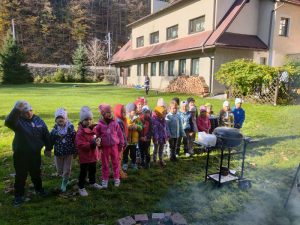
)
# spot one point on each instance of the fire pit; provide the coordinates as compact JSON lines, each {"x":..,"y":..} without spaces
{"x":167,"y":218}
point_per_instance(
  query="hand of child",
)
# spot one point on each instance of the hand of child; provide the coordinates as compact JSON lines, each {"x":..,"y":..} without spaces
{"x":47,"y":154}
{"x":98,"y":141}
{"x":191,"y":134}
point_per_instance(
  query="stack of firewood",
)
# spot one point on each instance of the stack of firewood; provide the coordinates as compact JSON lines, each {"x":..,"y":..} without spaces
{"x":189,"y":84}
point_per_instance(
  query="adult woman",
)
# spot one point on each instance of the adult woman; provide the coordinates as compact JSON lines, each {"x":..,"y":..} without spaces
{"x":31,"y":135}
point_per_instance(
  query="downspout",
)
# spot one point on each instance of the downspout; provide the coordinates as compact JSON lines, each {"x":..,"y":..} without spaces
{"x":271,"y":31}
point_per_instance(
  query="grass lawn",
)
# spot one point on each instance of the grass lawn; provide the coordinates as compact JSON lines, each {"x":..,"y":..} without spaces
{"x":271,"y":164}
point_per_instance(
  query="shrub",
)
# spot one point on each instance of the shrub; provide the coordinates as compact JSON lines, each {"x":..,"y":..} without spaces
{"x":59,"y":76}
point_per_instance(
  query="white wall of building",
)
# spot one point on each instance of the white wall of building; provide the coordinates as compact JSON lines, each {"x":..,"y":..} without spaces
{"x":247,"y":20}
{"x":180,"y":16}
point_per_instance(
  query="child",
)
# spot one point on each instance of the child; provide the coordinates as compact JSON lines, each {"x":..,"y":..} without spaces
{"x":213,"y":119}
{"x":112,"y":142}
{"x":63,"y":139}
{"x":134,"y":126}
{"x":194,"y":128}
{"x":159,"y":133}
{"x":145,"y":137}
{"x":186,"y":120}
{"x":174,"y":128}
{"x":140,"y":102}
{"x":87,"y":146}
{"x":226,"y":117}
{"x":120,"y":117}
{"x":203,"y":122}
{"x":191,"y":103}
{"x":239,"y":114}
{"x":31,"y":135}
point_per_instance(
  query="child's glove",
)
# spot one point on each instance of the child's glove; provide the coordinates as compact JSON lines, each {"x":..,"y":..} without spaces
{"x":98,"y":141}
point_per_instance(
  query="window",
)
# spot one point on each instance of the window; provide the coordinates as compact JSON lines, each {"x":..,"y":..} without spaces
{"x":172,"y":32}
{"x":153,"y":69}
{"x":146,"y":69}
{"x":154,"y":38}
{"x":263,"y":60}
{"x":197,"y":25}
{"x":284,"y":26}
{"x":182,"y":65}
{"x":140,"y":42}
{"x":195,"y":67}
{"x":139,"y":69}
{"x":161,"y":68}
{"x":171,"y":68}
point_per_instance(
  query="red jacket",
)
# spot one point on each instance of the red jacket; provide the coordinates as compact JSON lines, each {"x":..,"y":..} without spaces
{"x":86,"y":146}
{"x":111,"y":134}
{"x":203,"y":124}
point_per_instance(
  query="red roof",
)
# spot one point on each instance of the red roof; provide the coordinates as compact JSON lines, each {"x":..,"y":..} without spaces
{"x":197,"y":41}
{"x":192,"y":42}
{"x":296,"y":2}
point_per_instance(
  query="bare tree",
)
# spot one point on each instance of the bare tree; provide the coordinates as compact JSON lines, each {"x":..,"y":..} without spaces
{"x":96,"y":52}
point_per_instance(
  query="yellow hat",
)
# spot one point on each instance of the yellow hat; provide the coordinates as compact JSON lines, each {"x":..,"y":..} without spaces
{"x":159,"y":110}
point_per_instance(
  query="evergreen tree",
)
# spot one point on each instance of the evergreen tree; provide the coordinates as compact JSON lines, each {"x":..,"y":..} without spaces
{"x":11,"y":57}
{"x":80,"y":61}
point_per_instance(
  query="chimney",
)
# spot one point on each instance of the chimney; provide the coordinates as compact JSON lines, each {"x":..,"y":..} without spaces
{"x":157,"y":5}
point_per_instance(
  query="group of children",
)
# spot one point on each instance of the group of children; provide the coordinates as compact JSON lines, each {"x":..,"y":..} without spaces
{"x":127,"y":131}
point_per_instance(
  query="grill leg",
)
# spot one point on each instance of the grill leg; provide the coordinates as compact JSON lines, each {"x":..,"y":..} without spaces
{"x":221,"y":164}
{"x":207,"y":160}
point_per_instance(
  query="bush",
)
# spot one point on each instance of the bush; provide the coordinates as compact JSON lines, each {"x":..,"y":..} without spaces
{"x":245,"y":76}
{"x":59,"y":76}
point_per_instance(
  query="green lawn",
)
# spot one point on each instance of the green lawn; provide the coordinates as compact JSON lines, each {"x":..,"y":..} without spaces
{"x":270,"y":164}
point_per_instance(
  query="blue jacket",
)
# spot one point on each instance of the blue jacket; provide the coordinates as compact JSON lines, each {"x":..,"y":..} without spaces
{"x":30,"y":135}
{"x":239,"y":117}
{"x":63,"y":145}
{"x":174,"y":125}
{"x":186,"y":120}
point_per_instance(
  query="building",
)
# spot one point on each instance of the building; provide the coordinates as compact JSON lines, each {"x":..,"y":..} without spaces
{"x":195,"y":37}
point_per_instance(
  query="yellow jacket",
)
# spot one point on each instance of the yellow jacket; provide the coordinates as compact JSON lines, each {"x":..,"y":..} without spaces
{"x":133,"y":134}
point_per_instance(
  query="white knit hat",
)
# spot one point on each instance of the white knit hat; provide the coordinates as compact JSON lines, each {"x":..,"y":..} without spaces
{"x":61,"y":112}
{"x":161,"y":102}
{"x":226,"y":104}
{"x":238,"y":100}
{"x":85,"y":113}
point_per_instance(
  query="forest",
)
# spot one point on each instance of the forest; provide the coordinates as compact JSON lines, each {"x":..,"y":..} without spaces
{"x":49,"y":30}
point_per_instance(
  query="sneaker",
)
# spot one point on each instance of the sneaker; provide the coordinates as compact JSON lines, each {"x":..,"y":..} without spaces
{"x":96,"y":186}
{"x":134,"y":166}
{"x":64,"y":184}
{"x":117,"y":182}
{"x":104,"y":184}
{"x":83,"y":192}
{"x":18,"y":201}
{"x":125,"y":167}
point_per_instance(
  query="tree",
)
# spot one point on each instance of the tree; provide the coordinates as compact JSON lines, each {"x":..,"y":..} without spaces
{"x":96,"y":52}
{"x":11,"y":67}
{"x":80,"y":61}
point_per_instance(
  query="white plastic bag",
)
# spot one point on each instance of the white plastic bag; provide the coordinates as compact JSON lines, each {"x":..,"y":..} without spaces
{"x":207,"y":139}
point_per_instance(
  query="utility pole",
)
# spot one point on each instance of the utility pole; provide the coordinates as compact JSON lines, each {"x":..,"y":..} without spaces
{"x":109,"y":47}
{"x":13,"y":29}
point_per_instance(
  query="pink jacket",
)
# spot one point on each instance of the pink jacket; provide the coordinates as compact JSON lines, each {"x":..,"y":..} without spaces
{"x":86,"y":146}
{"x":203,"y":124}
{"x":111,"y":134}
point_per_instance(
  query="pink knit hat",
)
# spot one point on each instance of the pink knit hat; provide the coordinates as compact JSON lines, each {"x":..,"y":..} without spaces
{"x":103,"y":108}
{"x":202,"y":108}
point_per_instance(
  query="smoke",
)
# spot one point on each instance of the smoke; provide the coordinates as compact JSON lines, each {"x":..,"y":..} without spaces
{"x":205,"y":204}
